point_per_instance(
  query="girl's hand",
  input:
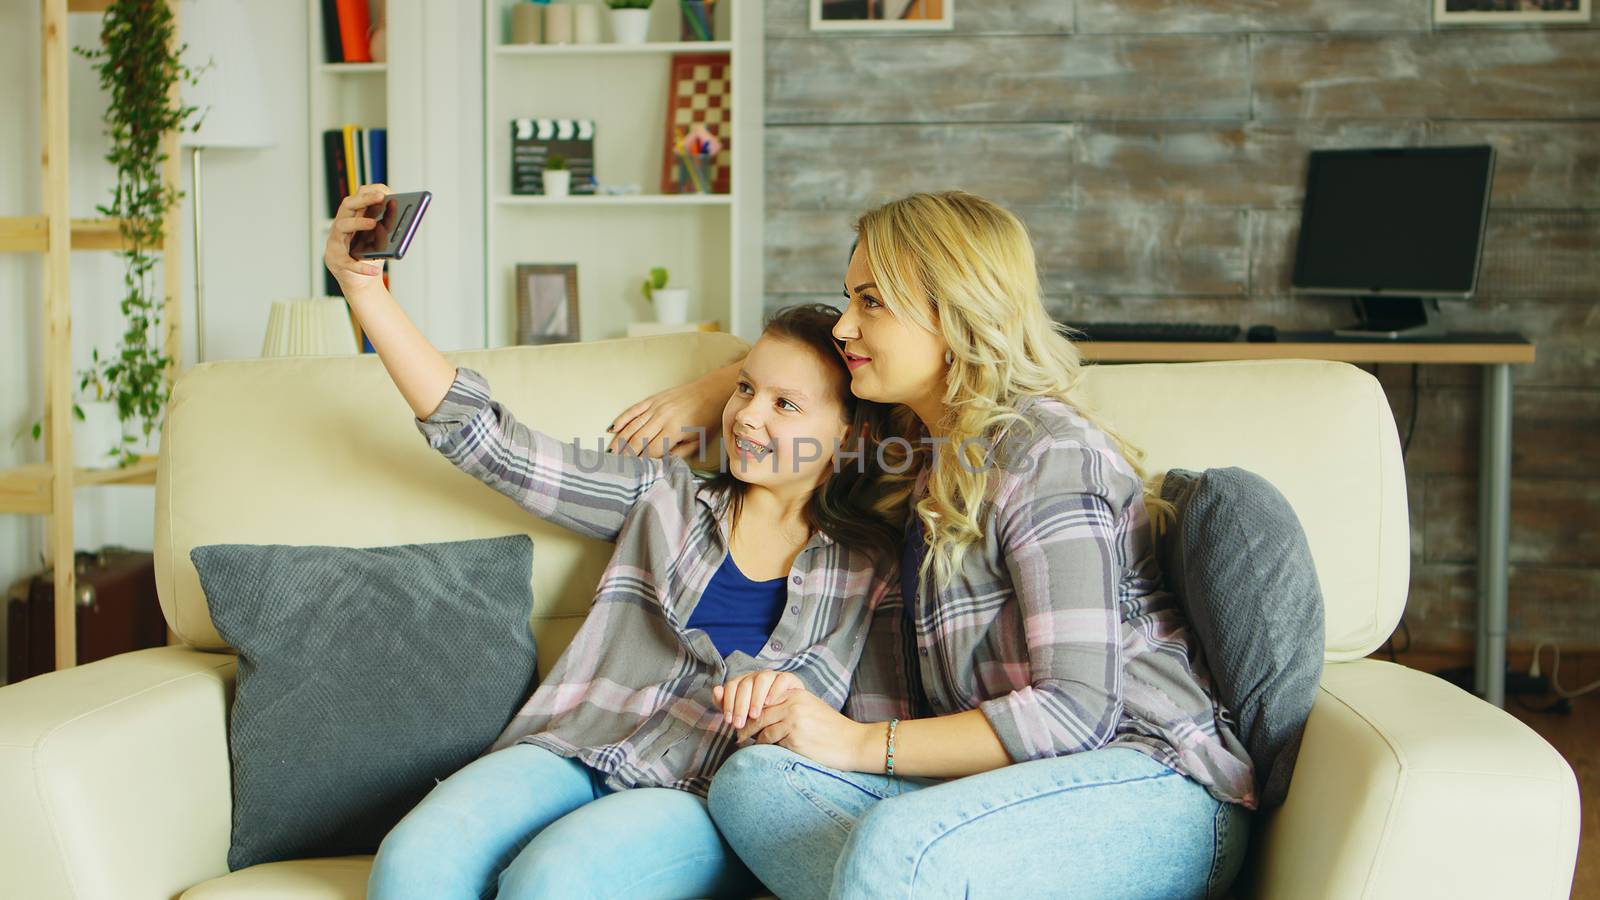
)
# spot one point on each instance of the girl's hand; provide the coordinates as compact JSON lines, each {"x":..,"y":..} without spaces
{"x":745,"y":696}
{"x":354,"y":274}
{"x":803,"y":723}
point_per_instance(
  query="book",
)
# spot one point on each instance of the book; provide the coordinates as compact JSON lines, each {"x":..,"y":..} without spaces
{"x":333,"y":167}
{"x":380,"y":155}
{"x":353,"y":25}
{"x":331,"y":45}
{"x":351,"y":181}
{"x":359,"y":138}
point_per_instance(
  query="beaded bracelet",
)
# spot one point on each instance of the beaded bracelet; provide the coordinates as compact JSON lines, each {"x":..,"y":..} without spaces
{"x":888,"y":759}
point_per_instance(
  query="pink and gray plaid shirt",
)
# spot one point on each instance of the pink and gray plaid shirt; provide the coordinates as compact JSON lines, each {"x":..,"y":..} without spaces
{"x":1057,"y":625}
{"x":631,"y":695}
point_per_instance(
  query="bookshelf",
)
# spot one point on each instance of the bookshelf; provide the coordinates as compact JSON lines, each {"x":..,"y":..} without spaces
{"x":339,"y":94}
{"x":711,"y":243}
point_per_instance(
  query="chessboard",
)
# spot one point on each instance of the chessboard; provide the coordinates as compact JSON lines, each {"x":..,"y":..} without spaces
{"x":700,"y":93}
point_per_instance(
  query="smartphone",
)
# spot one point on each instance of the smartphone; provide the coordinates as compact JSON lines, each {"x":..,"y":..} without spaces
{"x":398,"y":216}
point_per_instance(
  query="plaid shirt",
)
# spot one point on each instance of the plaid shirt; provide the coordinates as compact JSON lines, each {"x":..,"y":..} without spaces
{"x":631,"y":696}
{"x":1057,"y":625}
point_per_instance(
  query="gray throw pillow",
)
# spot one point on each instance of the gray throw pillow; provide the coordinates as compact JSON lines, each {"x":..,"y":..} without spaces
{"x":1239,"y":563}
{"x":365,"y":676}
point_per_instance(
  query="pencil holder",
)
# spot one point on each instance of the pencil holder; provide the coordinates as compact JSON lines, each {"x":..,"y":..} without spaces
{"x":696,"y":22}
{"x":694,"y":174}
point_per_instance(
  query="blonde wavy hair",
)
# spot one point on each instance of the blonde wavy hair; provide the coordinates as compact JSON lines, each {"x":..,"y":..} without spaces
{"x":974,"y":261}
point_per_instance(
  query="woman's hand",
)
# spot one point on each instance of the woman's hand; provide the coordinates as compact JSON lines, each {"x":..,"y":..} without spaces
{"x":801,"y":722}
{"x":745,"y":696}
{"x":353,"y":274}
{"x":680,"y":417}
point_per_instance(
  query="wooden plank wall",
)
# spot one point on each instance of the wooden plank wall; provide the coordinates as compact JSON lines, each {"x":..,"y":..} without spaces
{"x":1156,"y":150}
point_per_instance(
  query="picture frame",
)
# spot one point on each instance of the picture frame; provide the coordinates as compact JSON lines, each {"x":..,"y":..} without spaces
{"x":1517,"y":12}
{"x":884,"y":15}
{"x":547,"y":303}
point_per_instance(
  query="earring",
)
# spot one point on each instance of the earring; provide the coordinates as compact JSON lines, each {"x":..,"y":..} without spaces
{"x":949,"y":357}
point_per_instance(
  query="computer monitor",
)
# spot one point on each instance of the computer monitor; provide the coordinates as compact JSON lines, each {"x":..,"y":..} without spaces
{"x":1395,"y":229}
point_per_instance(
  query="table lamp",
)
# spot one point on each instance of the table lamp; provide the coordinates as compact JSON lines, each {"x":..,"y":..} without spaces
{"x":319,"y":326}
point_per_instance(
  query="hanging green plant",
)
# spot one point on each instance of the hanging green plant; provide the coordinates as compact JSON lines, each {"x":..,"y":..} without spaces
{"x":138,"y":66}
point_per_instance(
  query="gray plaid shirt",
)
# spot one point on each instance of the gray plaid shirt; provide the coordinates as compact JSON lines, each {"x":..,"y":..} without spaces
{"x":1057,"y":625}
{"x":631,"y":695}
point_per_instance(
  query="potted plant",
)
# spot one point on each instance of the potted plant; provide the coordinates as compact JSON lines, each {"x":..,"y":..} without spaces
{"x":630,"y":20}
{"x":138,"y":66}
{"x":672,"y":304}
{"x":557,"y":177}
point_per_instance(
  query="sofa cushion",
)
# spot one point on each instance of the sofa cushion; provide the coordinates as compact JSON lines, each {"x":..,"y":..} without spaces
{"x":1239,"y":563}
{"x":365,"y":676}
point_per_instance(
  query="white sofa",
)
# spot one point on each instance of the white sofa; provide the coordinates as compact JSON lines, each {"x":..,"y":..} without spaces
{"x":114,"y":775}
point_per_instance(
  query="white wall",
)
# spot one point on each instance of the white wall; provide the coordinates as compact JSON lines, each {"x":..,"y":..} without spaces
{"x":257,"y":227}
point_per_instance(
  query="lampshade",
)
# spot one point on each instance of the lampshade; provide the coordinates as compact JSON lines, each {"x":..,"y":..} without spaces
{"x":232,"y":94}
{"x":319,"y":326}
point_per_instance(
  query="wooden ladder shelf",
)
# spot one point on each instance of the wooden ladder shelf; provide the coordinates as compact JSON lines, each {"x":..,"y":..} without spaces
{"x":47,"y":488}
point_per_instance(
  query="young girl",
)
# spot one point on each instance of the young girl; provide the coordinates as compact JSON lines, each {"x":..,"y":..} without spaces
{"x":597,"y":786}
{"x":1037,"y":720}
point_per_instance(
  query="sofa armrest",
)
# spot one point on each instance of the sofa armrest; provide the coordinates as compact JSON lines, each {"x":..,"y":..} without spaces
{"x":115,"y":777}
{"x":1407,"y":786}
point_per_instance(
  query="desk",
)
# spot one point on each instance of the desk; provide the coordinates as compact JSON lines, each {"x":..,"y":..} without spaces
{"x":1496,"y":354}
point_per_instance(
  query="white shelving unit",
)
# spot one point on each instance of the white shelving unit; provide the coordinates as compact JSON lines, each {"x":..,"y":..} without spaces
{"x":337,"y":94}
{"x":609,"y":49}
{"x":711,"y":243}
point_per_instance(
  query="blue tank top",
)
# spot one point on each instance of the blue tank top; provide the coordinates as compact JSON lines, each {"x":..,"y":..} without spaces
{"x":738,"y":613}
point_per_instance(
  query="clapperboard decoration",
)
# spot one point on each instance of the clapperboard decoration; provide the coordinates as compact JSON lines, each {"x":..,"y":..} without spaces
{"x":534,"y":140}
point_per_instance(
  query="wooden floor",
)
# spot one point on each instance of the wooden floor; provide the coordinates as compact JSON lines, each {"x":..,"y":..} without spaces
{"x":1575,"y":735}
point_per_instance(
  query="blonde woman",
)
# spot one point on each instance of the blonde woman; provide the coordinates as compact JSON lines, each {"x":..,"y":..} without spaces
{"x":1034,"y":719}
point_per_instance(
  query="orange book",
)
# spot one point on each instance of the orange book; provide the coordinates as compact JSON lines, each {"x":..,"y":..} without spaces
{"x":353,"y":23}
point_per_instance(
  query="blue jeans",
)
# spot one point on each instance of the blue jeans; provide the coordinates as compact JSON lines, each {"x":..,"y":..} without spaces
{"x":1104,"y":824}
{"x":524,"y":822}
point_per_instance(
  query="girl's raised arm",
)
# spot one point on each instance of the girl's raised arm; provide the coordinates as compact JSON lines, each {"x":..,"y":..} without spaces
{"x":419,"y":370}
{"x":581,"y":489}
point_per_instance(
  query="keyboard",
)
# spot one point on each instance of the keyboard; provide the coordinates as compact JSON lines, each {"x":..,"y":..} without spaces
{"x":1154,"y":331}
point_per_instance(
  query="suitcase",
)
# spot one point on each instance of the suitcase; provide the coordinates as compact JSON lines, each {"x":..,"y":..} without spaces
{"x":117,"y":609}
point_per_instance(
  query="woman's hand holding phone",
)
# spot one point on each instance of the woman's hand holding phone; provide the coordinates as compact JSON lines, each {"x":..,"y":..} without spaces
{"x":353,"y":274}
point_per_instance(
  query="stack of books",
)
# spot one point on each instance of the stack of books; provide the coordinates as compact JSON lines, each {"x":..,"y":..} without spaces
{"x":353,"y":156}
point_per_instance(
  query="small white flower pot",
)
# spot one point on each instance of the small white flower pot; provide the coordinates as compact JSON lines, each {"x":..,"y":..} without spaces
{"x":672,"y":305}
{"x":557,"y":182}
{"x":94,"y":438}
{"x":629,"y":26}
